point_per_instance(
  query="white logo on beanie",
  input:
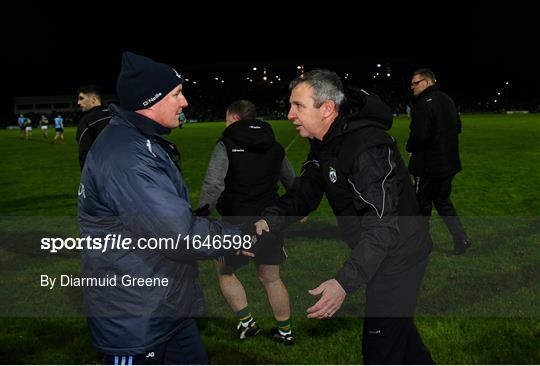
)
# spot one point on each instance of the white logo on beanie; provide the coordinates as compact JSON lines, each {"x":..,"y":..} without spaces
{"x":177,"y":74}
{"x":150,"y":100}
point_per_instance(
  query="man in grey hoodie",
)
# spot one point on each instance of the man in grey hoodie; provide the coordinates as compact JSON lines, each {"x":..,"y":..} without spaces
{"x":241,"y":180}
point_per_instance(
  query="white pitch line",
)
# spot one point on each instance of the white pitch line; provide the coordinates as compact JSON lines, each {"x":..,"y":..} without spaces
{"x":291,"y":143}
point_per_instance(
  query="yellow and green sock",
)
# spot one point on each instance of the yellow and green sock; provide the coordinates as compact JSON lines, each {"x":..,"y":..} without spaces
{"x":284,"y":327}
{"x":245,"y":316}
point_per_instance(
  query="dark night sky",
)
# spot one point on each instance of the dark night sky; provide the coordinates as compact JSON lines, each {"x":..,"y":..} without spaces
{"x":472,"y":50}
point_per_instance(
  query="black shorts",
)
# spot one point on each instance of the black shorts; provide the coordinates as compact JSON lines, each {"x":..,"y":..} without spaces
{"x":59,"y":130}
{"x":272,"y":252}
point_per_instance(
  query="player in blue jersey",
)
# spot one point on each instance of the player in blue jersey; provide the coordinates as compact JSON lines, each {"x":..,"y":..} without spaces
{"x":59,"y":126}
{"x":21,"y":122}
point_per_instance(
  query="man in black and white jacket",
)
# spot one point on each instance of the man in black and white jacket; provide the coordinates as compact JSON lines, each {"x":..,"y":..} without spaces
{"x":357,"y":165}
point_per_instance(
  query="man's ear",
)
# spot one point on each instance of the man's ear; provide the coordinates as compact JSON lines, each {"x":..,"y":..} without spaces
{"x":329,"y":107}
{"x":236,"y":117}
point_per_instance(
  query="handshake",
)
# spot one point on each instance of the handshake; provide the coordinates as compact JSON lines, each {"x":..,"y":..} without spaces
{"x":255,"y":231}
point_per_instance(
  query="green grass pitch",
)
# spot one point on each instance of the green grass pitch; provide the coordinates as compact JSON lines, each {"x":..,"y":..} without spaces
{"x":480,"y":308}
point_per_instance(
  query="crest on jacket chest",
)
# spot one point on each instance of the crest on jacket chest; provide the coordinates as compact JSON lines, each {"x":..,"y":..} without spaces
{"x":332,"y":174}
{"x":330,"y":167}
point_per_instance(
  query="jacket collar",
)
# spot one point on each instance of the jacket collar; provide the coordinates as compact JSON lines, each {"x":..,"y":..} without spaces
{"x":144,"y":124}
{"x":427,"y":91}
{"x":149,"y":128}
{"x":96,"y":108}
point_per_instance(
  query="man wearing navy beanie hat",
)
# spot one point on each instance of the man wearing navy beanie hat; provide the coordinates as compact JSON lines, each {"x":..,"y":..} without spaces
{"x":143,"y":82}
{"x":132,"y":185}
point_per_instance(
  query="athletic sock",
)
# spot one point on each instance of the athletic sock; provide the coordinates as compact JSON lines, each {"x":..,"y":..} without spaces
{"x":284,"y":327}
{"x":245,"y":316}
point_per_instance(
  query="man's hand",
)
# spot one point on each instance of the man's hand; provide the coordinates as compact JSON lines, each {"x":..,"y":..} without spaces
{"x":249,"y":229}
{"x":332,"y":297}
{"x":261,"y":226}
{"x":245,"y":253}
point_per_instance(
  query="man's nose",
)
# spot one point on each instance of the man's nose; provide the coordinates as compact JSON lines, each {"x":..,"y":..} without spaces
{"x":291,"y":115}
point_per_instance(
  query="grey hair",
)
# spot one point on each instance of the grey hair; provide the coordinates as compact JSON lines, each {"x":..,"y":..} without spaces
{"x":326,"y":85}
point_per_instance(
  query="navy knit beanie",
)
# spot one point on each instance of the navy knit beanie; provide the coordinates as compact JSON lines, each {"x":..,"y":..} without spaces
{"x":143,"y":82}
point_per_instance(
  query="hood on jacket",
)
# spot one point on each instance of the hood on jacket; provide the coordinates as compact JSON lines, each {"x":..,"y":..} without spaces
{"x":361,"y":109}
{"x":364,"y":107}
{"x":251,"y":134}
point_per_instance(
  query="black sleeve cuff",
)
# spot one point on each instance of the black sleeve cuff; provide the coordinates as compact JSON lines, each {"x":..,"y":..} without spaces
{"x":345,"y":282}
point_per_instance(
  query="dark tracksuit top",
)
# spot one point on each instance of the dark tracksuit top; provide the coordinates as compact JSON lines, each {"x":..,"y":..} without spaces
{"x":90,"y":126}
{"x":359,"y":168}
{"x":433,"y":139}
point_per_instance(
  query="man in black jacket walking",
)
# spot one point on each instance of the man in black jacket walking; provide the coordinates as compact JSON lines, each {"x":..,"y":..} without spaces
{"x":434,"y":148}
{"x":357,"y":165}
{"x":95,"y":119}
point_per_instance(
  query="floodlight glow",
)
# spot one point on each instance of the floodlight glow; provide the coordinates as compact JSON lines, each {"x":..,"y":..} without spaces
{"x":378,"y":65}
{"x":388,"y":74}
{"x":495,"y":100}
{"x":507,"y":83}
{"x":216,"y":79}
{"x":265,"y":78}
{"x":298,"y":67}
{"x":499,"y":93}
{"x":254,"y":68}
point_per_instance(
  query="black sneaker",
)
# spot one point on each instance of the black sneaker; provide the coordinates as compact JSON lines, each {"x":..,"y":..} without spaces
{"x":460,"y":248}
{"x":250,"y":330}
{"x":287,"y":339}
